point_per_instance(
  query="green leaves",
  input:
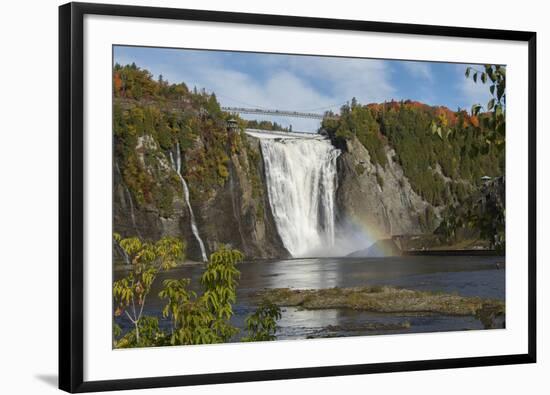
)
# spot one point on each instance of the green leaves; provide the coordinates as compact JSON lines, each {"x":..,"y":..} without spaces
{"x":226,"y":256}
{"x":262,"y":324}
{"x":481,"y":74}
{"x":123,"y":291}
{"x":205,"y":318}
{"x":357,"y":121}
{"x":488,"y":219}
{"x":146,"y":334}
{"x":436,"y":128}
{"x":500,"y":90}
{"x":476,"y":108}
{"x":131,"y":245}
{"x":147,"y":259}
{"x":169,"y":250}
{"x":497,"y":104}
{"x":499,"y":111}
{"x":220,"y":285}
{"x":195,"y":319}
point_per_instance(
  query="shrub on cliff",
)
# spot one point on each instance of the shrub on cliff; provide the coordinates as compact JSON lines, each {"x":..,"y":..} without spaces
{"x":356,"y":120}
{"x":441,"y":171}
{"x":144,"y":106}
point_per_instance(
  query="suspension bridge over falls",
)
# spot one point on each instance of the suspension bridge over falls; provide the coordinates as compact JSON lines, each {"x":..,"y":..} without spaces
{"x":305,"y":129}
{"x":282,"y":113}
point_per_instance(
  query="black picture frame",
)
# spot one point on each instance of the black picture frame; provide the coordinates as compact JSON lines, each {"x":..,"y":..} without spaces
{"x":71,"y":198}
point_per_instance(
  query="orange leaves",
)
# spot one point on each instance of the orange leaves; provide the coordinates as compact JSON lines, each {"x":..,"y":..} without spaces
{"x":117,"y":83}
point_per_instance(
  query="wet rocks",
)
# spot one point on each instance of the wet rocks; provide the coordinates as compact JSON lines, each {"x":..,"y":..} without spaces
{"x":385,"y":299}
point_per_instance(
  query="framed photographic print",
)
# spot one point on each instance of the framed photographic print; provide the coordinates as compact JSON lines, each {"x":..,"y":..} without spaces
{"x":251,"y":197}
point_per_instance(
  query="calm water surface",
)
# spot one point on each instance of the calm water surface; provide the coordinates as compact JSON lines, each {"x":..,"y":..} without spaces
{"x":463,"y":275}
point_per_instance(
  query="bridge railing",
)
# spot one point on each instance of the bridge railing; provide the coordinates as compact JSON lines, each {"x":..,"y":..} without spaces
{"x":285,"y":113}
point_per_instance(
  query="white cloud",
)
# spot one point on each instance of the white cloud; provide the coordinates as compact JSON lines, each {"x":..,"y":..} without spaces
{"x":300,"y":83}
{"x":419,"y":70}
{"x":282,"y":90}
{"x":472,"y":92}
{"x":368,"y":80}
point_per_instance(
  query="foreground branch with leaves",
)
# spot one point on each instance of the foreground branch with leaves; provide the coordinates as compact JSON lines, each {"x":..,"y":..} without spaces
{"x":194,"y":318}
{"x":147,"y":259}
{"x":484,"y":211}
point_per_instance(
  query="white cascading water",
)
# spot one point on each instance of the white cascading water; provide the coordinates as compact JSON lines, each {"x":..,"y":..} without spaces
{"x":301,"y":183}
{"x":176,"y":165}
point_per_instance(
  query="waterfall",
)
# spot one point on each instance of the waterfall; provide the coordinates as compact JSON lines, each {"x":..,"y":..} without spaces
{"x":301,"y":184}
{"x":176,"y":165}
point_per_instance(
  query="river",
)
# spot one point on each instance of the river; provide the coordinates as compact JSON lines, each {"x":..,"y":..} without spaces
{"x":464,"y":275}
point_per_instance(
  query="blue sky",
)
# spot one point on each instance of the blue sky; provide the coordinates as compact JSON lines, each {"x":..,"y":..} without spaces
{"x":307,"y":83}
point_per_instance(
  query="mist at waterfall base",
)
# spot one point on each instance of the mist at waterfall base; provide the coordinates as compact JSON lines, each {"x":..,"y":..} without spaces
{"x":301,"y":176}
{"x":349,"y":238}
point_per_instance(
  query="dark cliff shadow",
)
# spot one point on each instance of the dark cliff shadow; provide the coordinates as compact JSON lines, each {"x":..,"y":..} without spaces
{"x":50,"y":379}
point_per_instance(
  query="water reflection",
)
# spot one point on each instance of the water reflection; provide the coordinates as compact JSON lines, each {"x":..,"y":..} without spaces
{"x":303,"y":274}
{"x":299,"y":324}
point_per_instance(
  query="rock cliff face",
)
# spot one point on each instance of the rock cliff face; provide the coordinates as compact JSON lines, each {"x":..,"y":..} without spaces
{"x":379,"y":198}
{"x":375,"y":198}
{"x":237,"y":213}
